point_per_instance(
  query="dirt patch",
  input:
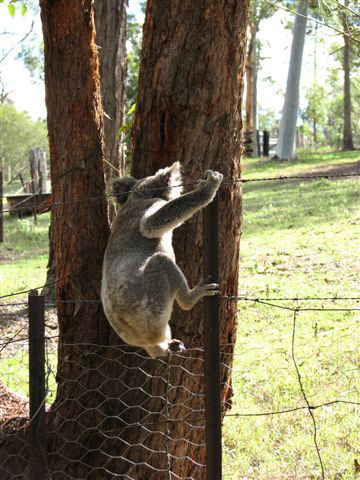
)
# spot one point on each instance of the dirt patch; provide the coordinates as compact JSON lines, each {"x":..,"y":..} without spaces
{"x":14,"y":339}
{"x":12,"y":405}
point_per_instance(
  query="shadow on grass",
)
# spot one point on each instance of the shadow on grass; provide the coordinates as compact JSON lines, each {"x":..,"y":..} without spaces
{"x":267,"y":166}
{"x":351,"y":168}
{"x":295,"y":205}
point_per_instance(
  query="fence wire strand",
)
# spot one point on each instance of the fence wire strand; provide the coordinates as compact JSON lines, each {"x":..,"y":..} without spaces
{"x":104,"y":197}
{"x":310,"y":409}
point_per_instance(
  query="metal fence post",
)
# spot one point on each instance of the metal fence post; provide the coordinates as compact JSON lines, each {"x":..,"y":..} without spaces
{"x":37,"y":433}
{"x":212,"y":345}
{"x":266,"y":143}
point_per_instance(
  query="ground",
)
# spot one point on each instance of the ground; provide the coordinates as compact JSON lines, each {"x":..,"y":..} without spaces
{"x":12,"y":405}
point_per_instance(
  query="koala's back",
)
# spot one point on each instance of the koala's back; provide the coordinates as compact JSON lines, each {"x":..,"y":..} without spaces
{"x":124,"y":292}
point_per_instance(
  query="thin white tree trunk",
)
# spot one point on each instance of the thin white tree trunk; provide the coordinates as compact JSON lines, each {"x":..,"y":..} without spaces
{"x":285,"y":149}
{"x":254,"y":74}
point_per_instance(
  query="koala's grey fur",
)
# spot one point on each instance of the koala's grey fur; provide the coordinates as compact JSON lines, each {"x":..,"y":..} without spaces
{"x":140,"y":278}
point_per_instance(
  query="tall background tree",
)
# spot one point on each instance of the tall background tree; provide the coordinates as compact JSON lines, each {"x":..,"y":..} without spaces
{"x":110,"y":18}
{"x":348,"y":143}
{"x":285,"y":148}
{"x":259,"y":10}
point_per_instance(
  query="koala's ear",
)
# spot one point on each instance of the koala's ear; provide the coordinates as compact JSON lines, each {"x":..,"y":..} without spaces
{"x":168,"y":180}
{"x":121,"y":188}
{"x":173,"y":180}
{"x":171,"y":176}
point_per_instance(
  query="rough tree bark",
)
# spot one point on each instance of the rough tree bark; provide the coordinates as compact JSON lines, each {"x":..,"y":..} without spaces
{"x":80,"y":228}
{"x":285,"y":148}
{"x":110,"y":17}
{"x":188,"y":109}
{"x":348,"y":143}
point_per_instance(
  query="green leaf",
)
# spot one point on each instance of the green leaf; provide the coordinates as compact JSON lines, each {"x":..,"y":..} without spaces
{"x":23,"y":9}
{"x":132,"y":108}
{"x":11,"y":9}
{"x":1,"y":1}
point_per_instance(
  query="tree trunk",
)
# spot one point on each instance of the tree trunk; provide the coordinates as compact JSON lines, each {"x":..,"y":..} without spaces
{"x":189,"y":109}
{"x":80,"y":227}
{"x":249,"y":134}
{"x":285,"y":148}
{"x":49,"y":291}
{"x":347,"y":136}
{"x":110,"y":19}
{"x":251,"y":80}
{"x":110,"y":16}
{"x":256,"y":143}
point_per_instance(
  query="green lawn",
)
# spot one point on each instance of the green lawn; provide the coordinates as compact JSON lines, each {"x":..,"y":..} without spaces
{"x":299,"y":240}
{"x":23,"y":255}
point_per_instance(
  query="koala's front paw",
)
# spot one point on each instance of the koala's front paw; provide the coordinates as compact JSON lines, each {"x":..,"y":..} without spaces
{"x":213,"y":177}
{"x":207,"y":289}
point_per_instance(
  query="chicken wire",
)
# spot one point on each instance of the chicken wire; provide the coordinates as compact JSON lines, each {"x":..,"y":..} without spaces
{"x":100,"y":409}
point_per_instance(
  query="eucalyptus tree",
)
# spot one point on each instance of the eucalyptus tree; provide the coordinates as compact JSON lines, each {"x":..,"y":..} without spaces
{"x":259,"y":10}
{"x":348,"y":143}
{"x":285,"y":148}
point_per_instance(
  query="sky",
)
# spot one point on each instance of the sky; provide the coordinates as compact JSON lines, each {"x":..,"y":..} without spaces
{"x":276,"y":40}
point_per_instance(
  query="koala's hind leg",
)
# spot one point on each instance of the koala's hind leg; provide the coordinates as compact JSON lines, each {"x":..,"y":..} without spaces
{"x":166,"y":282}
{"x":158,"y":351}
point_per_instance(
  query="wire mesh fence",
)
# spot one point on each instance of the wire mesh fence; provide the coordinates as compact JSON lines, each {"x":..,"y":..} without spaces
{"x":296,"y":389}
{"x":116,"y":410}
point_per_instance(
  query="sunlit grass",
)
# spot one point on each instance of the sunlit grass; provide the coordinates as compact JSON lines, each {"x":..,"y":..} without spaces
{"x":14,"y":373}
{"x":23,"y":255}
{"x":317,"y":161}
{"x":300,"y":240}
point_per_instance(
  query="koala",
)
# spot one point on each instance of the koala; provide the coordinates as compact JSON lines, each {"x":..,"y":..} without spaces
{"x":140,"y":278}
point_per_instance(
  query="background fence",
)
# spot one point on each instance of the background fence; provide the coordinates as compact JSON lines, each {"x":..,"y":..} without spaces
{"x":299,"y":349}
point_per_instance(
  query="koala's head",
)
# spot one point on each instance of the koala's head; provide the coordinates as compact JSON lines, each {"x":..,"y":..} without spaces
{"x":164,"y":184}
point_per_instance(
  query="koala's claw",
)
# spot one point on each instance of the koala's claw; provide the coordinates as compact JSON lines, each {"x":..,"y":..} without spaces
{"x":210,"y":289}
{"x":213,"y":176}
{"x":176,"y":346}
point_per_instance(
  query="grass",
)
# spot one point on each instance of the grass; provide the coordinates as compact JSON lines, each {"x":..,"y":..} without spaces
{"x":300,"y":240}
{"x":23,"y":255}
{"x":14,"y":373}
{"x":23,"y":259}
{"x":317,"y":161}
